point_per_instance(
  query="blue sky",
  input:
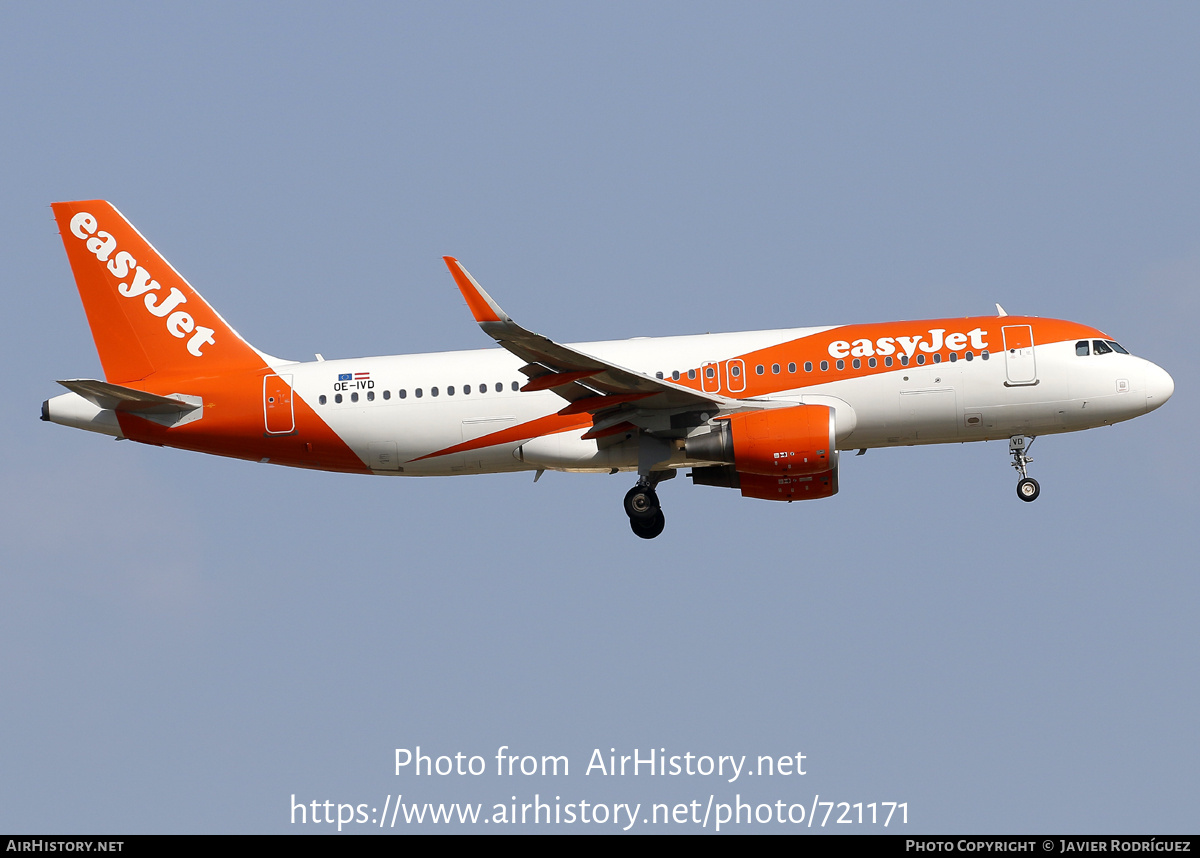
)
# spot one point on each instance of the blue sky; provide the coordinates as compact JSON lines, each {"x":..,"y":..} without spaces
{"x":187,"y":641}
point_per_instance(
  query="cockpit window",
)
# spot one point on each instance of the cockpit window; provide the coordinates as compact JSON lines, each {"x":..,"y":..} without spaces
{"x":1081,"y":348}
{"x":1116,"y":347}
{"x":1100,"y":348}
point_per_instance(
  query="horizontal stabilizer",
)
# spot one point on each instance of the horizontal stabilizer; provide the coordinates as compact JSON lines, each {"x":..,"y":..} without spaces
{"x":114,"y":397}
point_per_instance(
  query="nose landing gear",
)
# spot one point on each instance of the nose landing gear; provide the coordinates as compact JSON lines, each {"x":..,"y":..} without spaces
{"x":1027,"y":488}
{"x":641,"y":505}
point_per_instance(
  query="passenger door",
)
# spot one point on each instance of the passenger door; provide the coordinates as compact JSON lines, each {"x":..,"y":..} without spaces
{"x":1019,"y":362}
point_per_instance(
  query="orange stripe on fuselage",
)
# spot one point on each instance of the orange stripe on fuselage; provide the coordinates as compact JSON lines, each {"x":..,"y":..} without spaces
{"x":233,"y":425}
{"x":815,"y":348}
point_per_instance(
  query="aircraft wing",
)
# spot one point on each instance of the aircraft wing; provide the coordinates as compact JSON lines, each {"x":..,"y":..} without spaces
{"x":616,"y":396}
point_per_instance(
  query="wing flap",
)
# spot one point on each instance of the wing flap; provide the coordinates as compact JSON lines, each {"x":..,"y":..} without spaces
{"x":551,"y":380}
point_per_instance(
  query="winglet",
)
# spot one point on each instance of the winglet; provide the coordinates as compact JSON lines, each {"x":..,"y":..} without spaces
{"x":1000,"y":311}
{"x":482,"y":306}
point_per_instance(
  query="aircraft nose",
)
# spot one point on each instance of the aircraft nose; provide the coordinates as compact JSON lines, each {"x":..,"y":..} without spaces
{"x":1159,"y":386}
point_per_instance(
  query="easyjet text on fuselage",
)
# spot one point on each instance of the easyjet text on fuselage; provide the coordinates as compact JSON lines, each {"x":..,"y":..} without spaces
{"x":883,"y":346}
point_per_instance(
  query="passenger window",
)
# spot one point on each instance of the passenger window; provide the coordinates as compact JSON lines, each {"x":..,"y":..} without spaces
{"x":1081,"y":348}
{"x":337,"y":399}
{"x":387,"y":394}
{"x":970,"y":356}
{"x":370,"y":396}
{"x":483,"y":388}
{"x":691,"y":373}
{"x":450,"y":390}
{"x":658,"y":375}
{"x":903,"y":360}
{"x":403,"y":394}
{"x":824,"y":366}
{"x":985,"y":354}
{"x":1099,"y":348}
{"x":433,"y":391}
{"x":937,"y":358}
{"x":920,"y":360}
{"x":466,"y":390}
{"x":775,"y":369}
{"x":675,"y":375}
{"x":887,"y":361}
{"x":791,"y":367}
{"x":871,"y":362}
{"x":354,"y":397}
{"x":759,"y":369}
{"x":735,"y":370}
{"x":419,"y":393}
{"x":808,"y":366}
{"x":857,"y":363}
{"x":322,"y":400}
{"x":953,"y":357}
{"x":516,"y":385}
{"x":708,"y":372}
{"x":841,"y":364}
{"x":499,"y":387}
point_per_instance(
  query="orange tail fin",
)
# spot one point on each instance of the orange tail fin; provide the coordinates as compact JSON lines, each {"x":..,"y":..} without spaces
{"x":145,"y":317}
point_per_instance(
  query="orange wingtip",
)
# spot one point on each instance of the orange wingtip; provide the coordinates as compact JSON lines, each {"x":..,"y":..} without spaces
{"x":481,"y":307}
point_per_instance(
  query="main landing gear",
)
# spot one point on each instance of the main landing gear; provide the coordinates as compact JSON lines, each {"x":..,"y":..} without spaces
{"x":1027,"y":488}
{"x":641,"y":505}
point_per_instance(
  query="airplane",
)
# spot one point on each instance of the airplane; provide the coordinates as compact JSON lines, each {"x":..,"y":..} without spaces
{"x":763,"y":412}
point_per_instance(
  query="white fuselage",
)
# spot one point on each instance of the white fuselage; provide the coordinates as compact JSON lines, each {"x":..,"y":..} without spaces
{"x":964,"y":400}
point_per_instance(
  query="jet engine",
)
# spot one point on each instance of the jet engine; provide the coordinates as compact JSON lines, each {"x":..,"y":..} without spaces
{"x":774,"y":454}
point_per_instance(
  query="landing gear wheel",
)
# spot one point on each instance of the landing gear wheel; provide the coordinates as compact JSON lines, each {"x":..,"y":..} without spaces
{"x":641,"y":505}
{"x":648,"y":528}
{"x":1028,"y":489}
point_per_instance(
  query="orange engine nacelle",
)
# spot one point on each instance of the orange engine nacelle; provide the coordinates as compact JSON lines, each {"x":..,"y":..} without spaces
{"x":796,"y":441}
